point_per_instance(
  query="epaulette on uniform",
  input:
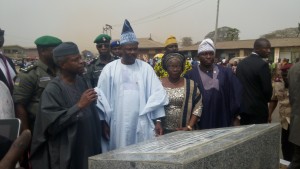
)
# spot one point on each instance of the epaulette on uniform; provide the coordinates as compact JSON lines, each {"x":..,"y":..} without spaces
{"x":92,"y":61}
{"x":28,"y":68}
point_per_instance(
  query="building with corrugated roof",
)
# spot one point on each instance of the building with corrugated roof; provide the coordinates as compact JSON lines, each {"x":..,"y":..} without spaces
{"x":18,"y":52}
{"x":280,"y":48}
{"x":148,"y":48}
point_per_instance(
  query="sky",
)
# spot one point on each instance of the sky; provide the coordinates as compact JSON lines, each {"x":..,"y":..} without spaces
{"x":81,"y":21}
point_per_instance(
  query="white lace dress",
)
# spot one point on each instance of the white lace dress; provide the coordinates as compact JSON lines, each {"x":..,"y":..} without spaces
{"x":7,"y":110}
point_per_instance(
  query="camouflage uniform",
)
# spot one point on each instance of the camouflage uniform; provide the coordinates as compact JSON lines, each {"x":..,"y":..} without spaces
{"x":94,"y":70}
{"x":281,"y":94}
{"x":29,"y":85}
{"x":96,"y":66}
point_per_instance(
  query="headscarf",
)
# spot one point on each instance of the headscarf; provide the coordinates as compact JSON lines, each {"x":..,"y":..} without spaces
{"x":170,"y":40}
{"x":168,"y":57}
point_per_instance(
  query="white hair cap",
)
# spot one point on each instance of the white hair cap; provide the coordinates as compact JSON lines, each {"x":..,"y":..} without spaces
{"x":206,"y":45}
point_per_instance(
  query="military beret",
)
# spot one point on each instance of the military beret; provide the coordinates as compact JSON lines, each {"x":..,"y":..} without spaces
{"x":115,"y":44}
{"x":65,"y":49}
{"x":47,"y":41}
{"x":1,"y":32}
{"x":103,"y":38}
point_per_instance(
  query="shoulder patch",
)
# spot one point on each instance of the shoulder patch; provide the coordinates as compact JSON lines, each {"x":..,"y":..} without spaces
{"x":92,"y":61}
{"x":28,"y":68}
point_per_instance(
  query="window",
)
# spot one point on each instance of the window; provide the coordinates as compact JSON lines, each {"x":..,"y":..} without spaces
{"x":15,"y":51}
{"x":6,"y":51}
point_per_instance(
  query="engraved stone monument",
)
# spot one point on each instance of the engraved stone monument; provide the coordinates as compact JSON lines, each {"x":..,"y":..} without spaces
{"x":243,"y":147}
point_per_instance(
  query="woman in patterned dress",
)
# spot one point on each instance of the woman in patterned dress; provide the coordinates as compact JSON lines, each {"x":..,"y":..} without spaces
{"x":185,"y":102}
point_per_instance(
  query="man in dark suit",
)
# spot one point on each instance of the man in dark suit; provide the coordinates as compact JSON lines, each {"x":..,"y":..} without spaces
{"x":7,"y":68}
{"x":294,"y":96}
{"x":254,"y":74}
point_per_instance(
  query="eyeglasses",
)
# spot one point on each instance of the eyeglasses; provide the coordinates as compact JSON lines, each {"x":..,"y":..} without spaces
{"x":207,"y":53}
{"x":105,"y":45}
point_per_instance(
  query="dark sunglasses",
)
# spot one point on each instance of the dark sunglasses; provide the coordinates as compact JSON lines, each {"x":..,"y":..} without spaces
{"x":106,"y":45}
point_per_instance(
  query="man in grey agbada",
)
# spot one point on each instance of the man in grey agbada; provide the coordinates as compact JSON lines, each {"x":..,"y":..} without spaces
{"x":294,"y":95}
{"x":67,"y":128}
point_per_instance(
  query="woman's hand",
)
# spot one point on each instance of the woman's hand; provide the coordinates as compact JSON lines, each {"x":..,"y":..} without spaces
{"x":158,"y":129}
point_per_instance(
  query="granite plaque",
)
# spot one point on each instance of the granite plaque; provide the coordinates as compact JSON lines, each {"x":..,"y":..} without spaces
{"x":253,"y":146}
{"x":182,"y":141}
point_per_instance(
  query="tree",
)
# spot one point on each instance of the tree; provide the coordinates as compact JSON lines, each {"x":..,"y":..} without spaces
{"x":283,"y":33}
{"x":186,"y":41}
{"x":225,"y":34}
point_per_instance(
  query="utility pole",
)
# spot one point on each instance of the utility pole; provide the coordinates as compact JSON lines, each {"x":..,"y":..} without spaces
{"x":298,"y":29}
{"x":216,"y":28}
{"x":104,"y":30}
{"x":107,"y":28}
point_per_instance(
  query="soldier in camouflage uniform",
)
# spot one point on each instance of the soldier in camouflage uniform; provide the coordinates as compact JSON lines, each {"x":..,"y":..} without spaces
{"x":281,"y":97}
{"x":94,"y":69}
{"x":32,"y":80}
{"x":171,"y":46}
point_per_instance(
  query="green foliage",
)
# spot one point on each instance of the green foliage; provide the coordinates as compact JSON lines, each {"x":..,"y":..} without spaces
{"x":225,"y":34}
{"x":186,"y":41}
{"x":283,"y":33}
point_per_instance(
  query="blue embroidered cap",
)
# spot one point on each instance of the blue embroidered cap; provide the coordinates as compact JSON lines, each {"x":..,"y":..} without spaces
{"x":127,"y":35}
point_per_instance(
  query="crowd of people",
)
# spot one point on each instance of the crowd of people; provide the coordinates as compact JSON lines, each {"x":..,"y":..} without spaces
{"x":70,"y":110}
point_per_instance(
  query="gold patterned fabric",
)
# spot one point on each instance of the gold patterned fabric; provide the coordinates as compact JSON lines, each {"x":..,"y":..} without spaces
{"x":173,"y":109}
{"x":183,"y":102}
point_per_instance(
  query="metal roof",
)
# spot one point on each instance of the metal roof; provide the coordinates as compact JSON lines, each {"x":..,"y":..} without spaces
{"x":248,"y":44}
{"x":146,"y":43}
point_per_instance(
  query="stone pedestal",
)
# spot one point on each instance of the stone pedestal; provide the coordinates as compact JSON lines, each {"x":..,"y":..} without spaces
{"x":243,"y":147}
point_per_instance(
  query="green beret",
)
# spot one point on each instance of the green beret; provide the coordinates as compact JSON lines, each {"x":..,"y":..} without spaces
{"x":47,"y":41}
{"x":103,"y":38}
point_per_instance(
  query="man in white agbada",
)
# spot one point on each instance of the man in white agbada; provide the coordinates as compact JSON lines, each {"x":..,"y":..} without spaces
{"x":130,"y":97}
